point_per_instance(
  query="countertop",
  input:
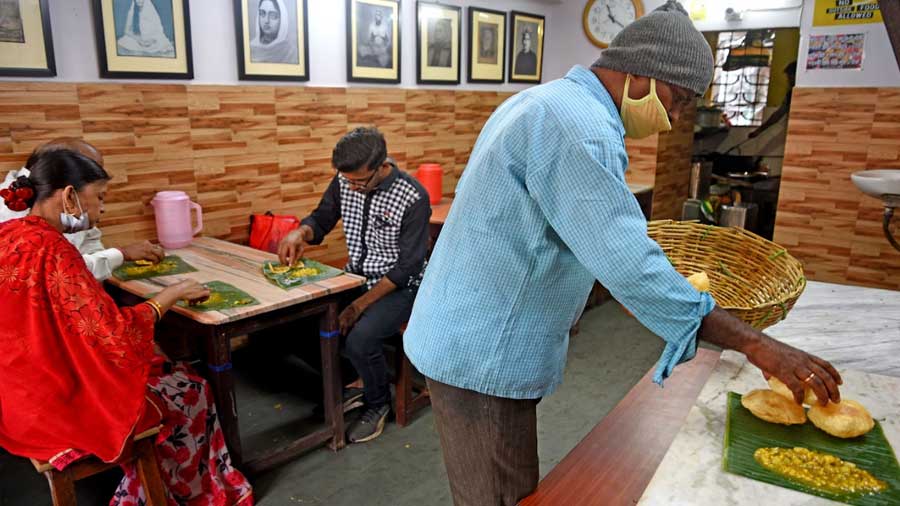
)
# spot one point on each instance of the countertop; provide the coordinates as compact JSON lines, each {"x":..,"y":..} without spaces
{"x":857,"y":329}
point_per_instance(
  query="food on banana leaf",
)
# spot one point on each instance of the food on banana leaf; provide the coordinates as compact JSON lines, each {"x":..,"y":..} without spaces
{"x":772,"y":407}
{"x":844,"y":419}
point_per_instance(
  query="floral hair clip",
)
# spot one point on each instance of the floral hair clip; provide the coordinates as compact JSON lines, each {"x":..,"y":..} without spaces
{"x":16,"y":197}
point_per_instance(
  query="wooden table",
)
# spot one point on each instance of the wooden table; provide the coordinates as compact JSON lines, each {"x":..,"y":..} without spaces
{"x":439,"y":214}
{"x":614,"y":463}
{"x":217,"y":260}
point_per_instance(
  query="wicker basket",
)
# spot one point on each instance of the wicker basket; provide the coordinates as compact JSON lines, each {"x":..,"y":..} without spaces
{"x":754,"y":279}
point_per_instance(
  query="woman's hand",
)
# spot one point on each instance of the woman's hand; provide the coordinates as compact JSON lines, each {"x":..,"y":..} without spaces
{"x":188,"y":289}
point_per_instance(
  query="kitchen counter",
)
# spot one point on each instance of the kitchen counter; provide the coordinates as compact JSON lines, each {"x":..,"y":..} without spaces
{"x":857,"y":329}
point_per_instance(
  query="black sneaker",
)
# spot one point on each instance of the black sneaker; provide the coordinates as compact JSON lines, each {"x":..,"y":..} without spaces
{"x":369,"y":426}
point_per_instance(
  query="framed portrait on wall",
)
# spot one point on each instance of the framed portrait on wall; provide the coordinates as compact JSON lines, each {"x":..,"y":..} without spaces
{"x":26,"y":43}
{"x":487,"y":45}
{"x":143,"y":39}
{"x":373,"y":41}
{"x":526,"y":47}
{"x":272,"y":39}
{"x":438,"y":43}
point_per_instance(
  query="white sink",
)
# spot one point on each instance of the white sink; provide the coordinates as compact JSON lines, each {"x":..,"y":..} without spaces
{"x":878,"y":183}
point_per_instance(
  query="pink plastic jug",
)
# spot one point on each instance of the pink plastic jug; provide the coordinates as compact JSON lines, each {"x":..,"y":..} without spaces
{"x":173,"y":219}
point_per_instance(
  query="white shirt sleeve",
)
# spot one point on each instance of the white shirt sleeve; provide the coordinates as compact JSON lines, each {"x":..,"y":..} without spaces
{"x":99,"y":260}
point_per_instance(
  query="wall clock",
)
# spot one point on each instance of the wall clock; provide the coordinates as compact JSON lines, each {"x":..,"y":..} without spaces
{"x":603,"y":19}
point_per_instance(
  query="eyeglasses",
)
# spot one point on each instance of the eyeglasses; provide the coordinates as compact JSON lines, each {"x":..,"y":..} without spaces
{"x":354,"y":183}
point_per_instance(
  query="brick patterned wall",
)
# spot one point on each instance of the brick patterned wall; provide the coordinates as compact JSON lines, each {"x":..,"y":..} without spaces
{"x":827,"y":223}
{"x":671,"y":183}
{"x":239,"y":150}
{"x":236,"y":150}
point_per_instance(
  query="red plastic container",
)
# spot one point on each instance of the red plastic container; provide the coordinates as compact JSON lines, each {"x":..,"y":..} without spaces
{"x":431,"y":175}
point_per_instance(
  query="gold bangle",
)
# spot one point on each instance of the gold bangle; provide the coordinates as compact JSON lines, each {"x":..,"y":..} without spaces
{"x":156,"y":307}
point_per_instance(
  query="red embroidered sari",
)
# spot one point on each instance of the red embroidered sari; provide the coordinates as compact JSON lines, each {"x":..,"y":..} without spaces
{"x":73,"y":365}
{"x":75,"y":370}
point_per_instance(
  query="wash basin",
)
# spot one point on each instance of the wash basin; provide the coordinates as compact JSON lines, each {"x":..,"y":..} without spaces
{"x":878,"y":183}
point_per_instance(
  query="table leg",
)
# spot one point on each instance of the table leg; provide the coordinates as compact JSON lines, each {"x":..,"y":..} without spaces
{"x":221,"y":379}
{"x":329,"y":340}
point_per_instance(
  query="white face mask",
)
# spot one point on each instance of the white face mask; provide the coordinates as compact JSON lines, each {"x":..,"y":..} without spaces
{"x":645,"y":116}
{"x":70,"y":223}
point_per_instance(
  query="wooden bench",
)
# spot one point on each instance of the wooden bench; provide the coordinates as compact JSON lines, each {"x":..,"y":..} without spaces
{"x":142,"y":452}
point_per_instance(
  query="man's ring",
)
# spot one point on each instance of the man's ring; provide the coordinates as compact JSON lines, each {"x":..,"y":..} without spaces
{"x":810,"y":377}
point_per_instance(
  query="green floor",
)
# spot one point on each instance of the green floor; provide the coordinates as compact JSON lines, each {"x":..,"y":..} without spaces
{"x":403,"y":466}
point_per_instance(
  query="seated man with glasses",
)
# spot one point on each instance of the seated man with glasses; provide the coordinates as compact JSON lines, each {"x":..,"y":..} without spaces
{"x":385,"y":213}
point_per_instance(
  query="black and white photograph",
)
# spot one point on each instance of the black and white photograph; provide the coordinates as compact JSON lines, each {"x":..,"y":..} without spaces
{"x":487,"y":49}
{"x":438,"y":43}
{"x":26,"y":41}
{"x":11,"y":29}
{"x":143,"y":39}
{"x":272,"y":39}
{"x":526,"y":46}
{"x":144,"y":28}
{"x":373,"y":45}
{"x":487,"y":43}
{"x":374,"y":36}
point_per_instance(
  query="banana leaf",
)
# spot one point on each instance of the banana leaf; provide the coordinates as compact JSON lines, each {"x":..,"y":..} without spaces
{"x":745,"y":433}
{"x":291,"y":279}
{"x":221,"y":296}
{"x":169,"y":265}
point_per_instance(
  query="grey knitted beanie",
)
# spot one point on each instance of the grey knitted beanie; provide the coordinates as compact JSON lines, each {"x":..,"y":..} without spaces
{"x":664,"y":45}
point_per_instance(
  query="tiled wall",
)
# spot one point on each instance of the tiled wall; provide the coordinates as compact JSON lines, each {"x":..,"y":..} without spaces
{"x":822,"y":218}
{"x":239,"y":150}
{"x":236,"y":150}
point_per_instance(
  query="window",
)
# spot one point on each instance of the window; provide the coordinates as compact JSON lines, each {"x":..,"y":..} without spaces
{"x":741,"y":81}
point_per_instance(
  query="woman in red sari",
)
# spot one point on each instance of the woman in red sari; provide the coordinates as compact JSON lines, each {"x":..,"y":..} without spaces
{"x":79,"y":375}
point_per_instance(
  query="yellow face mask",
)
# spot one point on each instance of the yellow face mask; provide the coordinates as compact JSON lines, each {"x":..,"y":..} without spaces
{"x":645,"y":116}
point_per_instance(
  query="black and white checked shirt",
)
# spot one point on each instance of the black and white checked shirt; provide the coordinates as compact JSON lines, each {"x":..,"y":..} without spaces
{"x":386,"y":229}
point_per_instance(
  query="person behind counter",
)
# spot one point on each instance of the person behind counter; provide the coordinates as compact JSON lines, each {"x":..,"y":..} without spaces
{"x":541,"y":212}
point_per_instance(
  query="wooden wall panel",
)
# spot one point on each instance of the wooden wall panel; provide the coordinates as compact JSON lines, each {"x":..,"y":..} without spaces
{"x":671,"y":183}
{"x":642,"y":160}
{"x":833,"y":228}
{"x":239,"y":150}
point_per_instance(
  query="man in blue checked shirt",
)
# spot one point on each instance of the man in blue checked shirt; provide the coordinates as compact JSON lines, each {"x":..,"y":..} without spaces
{"x":542,"y":211}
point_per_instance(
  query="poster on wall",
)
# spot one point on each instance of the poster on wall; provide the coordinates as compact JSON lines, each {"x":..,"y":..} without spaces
{"x":26,"y":44}
{"x":835,"y":52}
{"x":438,"y":44}
{"x":487,"y":49}
{"x":846,"y":12}
{"x":373,"y":41}
{"x":272,"y":40}
{"x":526,"y":47}
{"x":143,"y":39}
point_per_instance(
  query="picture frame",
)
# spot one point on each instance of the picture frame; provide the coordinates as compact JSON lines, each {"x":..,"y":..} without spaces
{"x":274,"y":46}
{"x":526,"y":47}
{"x":143,"y":39}
{"x":26,"y":39}
{"x":373,"y":41}
{"x":487,"y":46}
{"x":438,"y":43}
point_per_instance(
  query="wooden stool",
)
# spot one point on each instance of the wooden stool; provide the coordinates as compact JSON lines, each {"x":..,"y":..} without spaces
{"x":411,"y":395}
{"x":142,"y":453}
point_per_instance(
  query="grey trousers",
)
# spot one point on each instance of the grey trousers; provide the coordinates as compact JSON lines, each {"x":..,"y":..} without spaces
{"x":489,"y":445}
